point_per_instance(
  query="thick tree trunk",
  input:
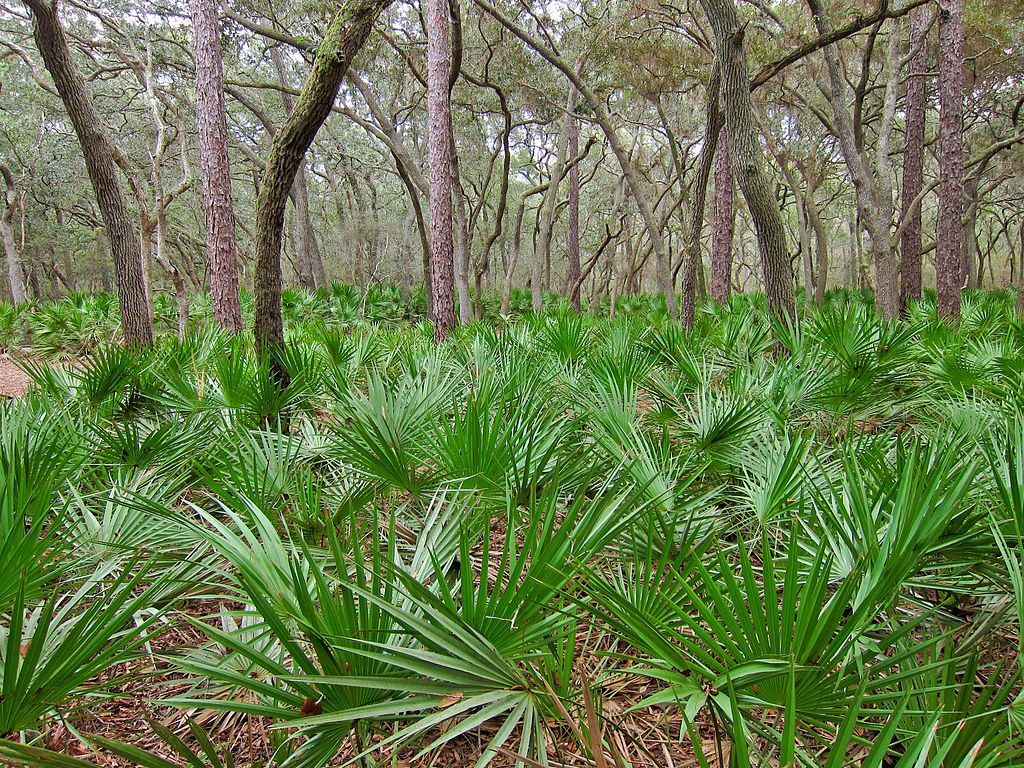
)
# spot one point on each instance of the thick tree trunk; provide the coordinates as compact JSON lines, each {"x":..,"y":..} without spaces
{"x":99,"y":161}
{"x":346,"y":34}
{"x":212,"y":131}
{"x":913,"y":162}
{"x":573,"y":267}
{"x":748,"y":162}
{"x":721,"y":237}
{"x":439,"y":152}
{"x":950,"y":230}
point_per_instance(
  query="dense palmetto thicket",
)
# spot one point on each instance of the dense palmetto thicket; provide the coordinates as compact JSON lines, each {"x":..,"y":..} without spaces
{"x":555,"y":540}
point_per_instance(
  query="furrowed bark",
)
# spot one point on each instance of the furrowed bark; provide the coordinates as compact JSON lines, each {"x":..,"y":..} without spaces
{"x":950,"y":230}
{"x":913,"y":163}
{"x":721,"y":237}
{"x":215,"y":168}
{"x":439,"y":151}
{"x":125,"y":248}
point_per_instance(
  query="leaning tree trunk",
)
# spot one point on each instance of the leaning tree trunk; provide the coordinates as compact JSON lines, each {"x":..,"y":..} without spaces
{"x":344,"y":37}
{"x":212,"y":130}
{"x":913,"y":162}
{"x":950,"y":229}
{"x":439,"y":152}
{"x":722,"y":228}
{"x":96,"y":145}
{"x":748,"y":162}
{"x":310,"y":262}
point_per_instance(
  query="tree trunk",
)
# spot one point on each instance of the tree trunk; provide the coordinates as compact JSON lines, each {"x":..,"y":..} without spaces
{"x":748,"y":162}
{"x":439,"y":155}
{"x":1019,"y":303}
{"x":721,"y":237}
{"x":307,"y":249}
{"x":872,"y":204}
{"x":913,"y":162}
{"x":698,"y":195}
{"x":310,"y":262}
{"x":971,"y":255}
{"x":517,"y":247}
{"x":573,"y":245}
{"x":461,"y":245}
{"x":212,"y":131}
{"x":542,"y":254}
{"x":15,"y":275}
{"x":950,"y":230}
{"x":499,"y":214}
{"x":346,"y":34}
{"x":99,"y":161}
{"x":820,"y":247}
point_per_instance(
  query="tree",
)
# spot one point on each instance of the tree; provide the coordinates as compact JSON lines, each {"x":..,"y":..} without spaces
{"x":722,"y":230}
{"x":913,"y":160}
{"x":545,"y":225}
{"x":212,"y":133}
{"x":573,"y":247}
{"x":691,"y":257}
{"x":950,"y":229}
{"x":15,"y":276}
{"x":874,"y":206}
{"x":748,"y":162}
{"x":440,"y":154}
{"x":52,"y":42}
{"x":344,"y":37}
{"x":310,"y":262}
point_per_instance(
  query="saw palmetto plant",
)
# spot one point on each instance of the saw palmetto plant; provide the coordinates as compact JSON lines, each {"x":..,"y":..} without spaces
{"x":558,"y":540}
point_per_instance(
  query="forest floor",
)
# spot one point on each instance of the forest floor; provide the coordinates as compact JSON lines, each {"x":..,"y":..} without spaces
{"x":13,"y":380}
{"x":650,"y":738}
